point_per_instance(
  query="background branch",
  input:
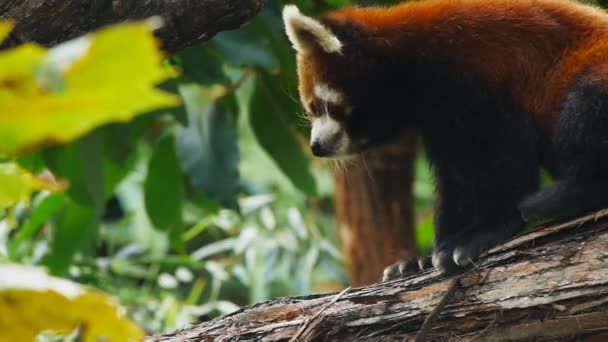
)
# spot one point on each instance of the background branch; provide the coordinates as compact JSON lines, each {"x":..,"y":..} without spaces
{"x":187,"y":22}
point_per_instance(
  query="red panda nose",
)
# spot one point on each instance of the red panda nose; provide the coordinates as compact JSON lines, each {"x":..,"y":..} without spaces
{"x":318,"y":150}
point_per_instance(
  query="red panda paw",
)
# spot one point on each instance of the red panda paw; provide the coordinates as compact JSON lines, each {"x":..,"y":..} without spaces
{"x":451,"y":261}
{"x":443,"y":260}
{"x":456,"y":259}
{"x":406,"y":268}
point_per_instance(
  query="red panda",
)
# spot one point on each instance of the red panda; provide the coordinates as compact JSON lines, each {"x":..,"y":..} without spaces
{"x":498,"y":89}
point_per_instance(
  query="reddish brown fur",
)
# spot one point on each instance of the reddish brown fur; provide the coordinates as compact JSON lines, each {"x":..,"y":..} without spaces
{"x":473,"y":75}
{"x":544,"y":47}
{"x":306,"y":66}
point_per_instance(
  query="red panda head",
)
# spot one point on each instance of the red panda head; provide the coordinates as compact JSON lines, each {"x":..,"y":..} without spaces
{"x":332,"y":71}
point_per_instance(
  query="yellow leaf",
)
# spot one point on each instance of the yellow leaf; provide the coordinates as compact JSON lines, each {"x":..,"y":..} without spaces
{"x":109,"y":76}
{"x":17,"y":71}
{"x":17,"y":184}
{"x":32,"y":302}
{"x":5,"y":29}
{"x":119,"y":52}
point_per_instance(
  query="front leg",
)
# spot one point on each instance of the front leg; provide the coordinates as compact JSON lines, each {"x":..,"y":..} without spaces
{"x":468,"y":221}
{"x":455,"y":221}
{"x":452,"y":254}
{"x":481,"y":176}
{"x":484,"y":166}
{"x":478,"y":212}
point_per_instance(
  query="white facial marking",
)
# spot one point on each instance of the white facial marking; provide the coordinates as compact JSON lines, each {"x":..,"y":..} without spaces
{"x":296,"y":23}
{"x":327,"y":94}
{"x":324,"y":128}
{"x":306,"y":104}
{"x":330,"y":134}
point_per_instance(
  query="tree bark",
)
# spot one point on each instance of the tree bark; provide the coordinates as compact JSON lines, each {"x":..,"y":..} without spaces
{"x":186,"y":22}
{"x":374,"y":210}
{"x":547,"y":285}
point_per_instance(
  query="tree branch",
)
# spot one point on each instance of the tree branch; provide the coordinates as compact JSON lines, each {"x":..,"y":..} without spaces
{"x":549,"y":284}
{"x":187,"y":22}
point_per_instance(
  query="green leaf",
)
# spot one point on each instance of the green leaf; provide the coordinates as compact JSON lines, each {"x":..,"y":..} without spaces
{"x":118,"y":155}
{"x":202,"y":65}
{"x":207,"y":148}
{"x":114,"y":174}
{"x":278,"y":136}
{"x":246,"y":48}
{"x":179,"y":112}
{"x":32,"y":162}
{"x":118,"y":144}
{"x":337,"y":3}
{"x":163,"y":186}
{"x":270,"y":26}
{"x":75,"y":230}
{"x":41,"y":213}
{"x":81,"y":164}
{"x":306,"y":6}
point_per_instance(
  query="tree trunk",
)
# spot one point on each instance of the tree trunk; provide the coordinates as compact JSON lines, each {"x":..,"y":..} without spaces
{"x":547,"y":285}
{"x":374,"y":210}
{"x":186,"y":22}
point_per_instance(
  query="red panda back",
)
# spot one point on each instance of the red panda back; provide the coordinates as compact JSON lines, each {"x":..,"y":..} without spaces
{"x":529,"y":50}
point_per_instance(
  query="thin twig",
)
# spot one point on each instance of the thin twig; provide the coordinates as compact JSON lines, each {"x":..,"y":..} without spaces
{"x":310,"y":322}
{"x":430,"y":320}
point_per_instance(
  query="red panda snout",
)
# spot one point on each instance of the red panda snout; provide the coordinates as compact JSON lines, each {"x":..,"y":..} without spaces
{"x":330,"y":111}
{"x":328,"y":137}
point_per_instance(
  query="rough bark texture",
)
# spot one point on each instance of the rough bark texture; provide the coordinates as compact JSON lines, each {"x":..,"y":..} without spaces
{"x":546,"y":285}
{"x":374,"y":210}
{"x":186,"y":22}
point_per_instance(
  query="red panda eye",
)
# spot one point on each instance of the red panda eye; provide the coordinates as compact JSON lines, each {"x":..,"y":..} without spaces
{"x":309,"y":105}
{"x":315,"y":109}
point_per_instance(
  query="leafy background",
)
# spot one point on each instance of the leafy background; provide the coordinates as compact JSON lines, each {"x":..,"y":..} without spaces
{"x":182,"y":213}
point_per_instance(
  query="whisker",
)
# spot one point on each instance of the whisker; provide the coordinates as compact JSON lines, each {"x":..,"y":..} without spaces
{"x":341,"y":164}
{"x":291,"y":96}
{"x":366,"y":167}
{"x":374,"y":184}
{"x":335,"y":165}
{"x":304,"y":118}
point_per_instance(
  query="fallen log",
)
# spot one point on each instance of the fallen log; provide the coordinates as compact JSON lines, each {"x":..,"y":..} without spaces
{"x":550,"y":284}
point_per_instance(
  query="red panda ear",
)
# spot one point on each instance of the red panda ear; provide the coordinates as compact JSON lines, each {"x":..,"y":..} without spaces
{"x":305,"y":32}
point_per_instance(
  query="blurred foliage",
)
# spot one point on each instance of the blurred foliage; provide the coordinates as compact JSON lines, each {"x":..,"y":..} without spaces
{"x":186,"y":200}
{"x":53,"y":89}
{"x":17,"y":184}
{"x":31,"y":302}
